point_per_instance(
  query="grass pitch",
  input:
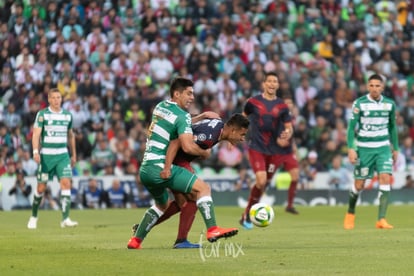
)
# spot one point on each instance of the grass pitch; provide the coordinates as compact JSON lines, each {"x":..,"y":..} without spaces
{"x":312,"y":243}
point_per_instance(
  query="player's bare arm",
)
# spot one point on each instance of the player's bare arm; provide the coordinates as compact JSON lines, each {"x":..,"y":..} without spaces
{"x":37,"y":131}
{"x":188,"y":146}
{"x":169,"y":158}
{"x":205,"y":115}
{"x":72,"y":145}
{"x":284,"y":139}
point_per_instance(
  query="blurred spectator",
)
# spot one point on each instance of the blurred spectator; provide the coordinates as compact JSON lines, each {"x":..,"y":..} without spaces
{"x":48,"y":202}
{"x":93,"y":196}
{"x":101,"y":156}
{"x":117,"y":197}
{"x":28,"y":164}
{"x":338,"y":175}
{"x":409,"y":182}
{"x":245,"y":181}
{"x":22,"y":191}
{"x":309,"y":167}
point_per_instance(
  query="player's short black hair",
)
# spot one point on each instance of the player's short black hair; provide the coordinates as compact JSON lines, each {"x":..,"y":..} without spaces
{"x":238,"y":120}
{"x":179,"y":84}
{"x":376,"y":77}
{"x":270,"y":73}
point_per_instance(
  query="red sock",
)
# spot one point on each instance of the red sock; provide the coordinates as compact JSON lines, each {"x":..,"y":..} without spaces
{"x":172,"y":209}
{"x":255,"y":195}
{"x":291,"y":193}
{"x":187,"y":217}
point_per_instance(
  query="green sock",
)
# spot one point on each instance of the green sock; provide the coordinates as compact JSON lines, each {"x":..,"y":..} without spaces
{"x":65,"y":203}
{"x":353,"y":198}
{"x":36,"y":203}
{"x":150,"y":218}
{"x":206,"y":207}
{"x":383,"y":203}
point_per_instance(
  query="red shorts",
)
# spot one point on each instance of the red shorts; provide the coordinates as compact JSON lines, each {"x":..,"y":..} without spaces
{"x":183,"y":163}
{"x":270,"y":163}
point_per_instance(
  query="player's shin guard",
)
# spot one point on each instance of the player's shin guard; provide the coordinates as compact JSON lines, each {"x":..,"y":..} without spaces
{"x":37,"y":199}
{"x":384,"y":191}
{"x":150,"y":218}
{"x":65,"y":203}
{"x":206,"y":207}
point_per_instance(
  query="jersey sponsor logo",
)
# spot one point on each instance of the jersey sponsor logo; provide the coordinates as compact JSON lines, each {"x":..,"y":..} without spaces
{"x":366,"y":113}
{"x":364,"y":171}
{"x":41,"y":119}
{"x":201,"y":137}
{"x":376,"y":107}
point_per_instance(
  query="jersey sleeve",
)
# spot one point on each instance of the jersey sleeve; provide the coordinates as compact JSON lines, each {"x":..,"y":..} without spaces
{"x":285,"y":115}
{"x":184,"y":124}
{"x":248,"y":107}
{"x":350,"y":132}
{"x":40,"y":120}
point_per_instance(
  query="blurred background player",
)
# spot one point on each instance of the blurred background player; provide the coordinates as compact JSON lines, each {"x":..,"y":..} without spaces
{"x":52,"y":133}
{"x":207,"y":133}
{"x":269,"y":142}
{"x":374,"y":115}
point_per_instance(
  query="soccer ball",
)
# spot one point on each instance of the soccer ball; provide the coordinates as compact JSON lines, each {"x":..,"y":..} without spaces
{"x":261,"y":214}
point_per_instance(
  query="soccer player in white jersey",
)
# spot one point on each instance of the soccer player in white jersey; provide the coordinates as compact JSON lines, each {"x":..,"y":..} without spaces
{"x":374,"y":149}
{"x":52,"y":133}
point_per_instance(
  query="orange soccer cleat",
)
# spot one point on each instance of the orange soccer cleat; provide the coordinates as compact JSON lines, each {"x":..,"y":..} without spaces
{"x":383,"y":224}
{"x":349,"y":221}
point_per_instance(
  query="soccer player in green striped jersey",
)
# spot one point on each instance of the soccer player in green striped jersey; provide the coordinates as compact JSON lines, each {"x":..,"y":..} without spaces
{"x":52,"y":133}
{"x":170,"y":121}
{"x":374,"y":149}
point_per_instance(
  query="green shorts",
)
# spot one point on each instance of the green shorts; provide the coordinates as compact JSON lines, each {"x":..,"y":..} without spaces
{"x":181,"y":180}
{"x":371,"y":160}
{"x":51,"y":165}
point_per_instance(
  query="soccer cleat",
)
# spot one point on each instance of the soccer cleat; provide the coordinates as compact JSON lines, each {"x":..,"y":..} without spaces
{"x":215,"y":233}
{"x":186,"y":244}
{"x":32,"y":224}
{"x":349,"y":221}
{"x":292,"y":210}
{"x":68,"y":223}
{"x":134,"y":243}
{"x":246,"y":224}
{"x":383,"y":224}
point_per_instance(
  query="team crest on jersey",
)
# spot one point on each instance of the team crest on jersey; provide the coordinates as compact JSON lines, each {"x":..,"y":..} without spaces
{"x":201,"y":137}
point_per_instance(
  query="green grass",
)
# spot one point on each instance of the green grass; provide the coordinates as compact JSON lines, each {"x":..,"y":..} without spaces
{"x":312,"y":243}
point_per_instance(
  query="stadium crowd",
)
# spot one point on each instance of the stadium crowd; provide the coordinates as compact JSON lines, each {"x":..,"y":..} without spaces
{"x":112,"y":62}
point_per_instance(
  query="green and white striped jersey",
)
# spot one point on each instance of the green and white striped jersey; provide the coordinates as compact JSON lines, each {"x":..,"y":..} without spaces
{"x":168,"y":122}
{"x":375,"y":123}
{"x":55,"y":126}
